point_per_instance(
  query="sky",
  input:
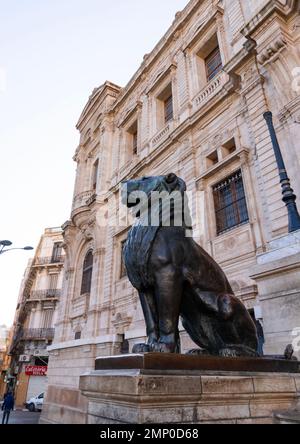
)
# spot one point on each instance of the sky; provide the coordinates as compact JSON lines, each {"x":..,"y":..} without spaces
{"x":53,"y":53}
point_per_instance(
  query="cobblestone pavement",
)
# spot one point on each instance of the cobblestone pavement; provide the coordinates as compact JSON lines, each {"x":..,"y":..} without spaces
{"x":22,"y":417}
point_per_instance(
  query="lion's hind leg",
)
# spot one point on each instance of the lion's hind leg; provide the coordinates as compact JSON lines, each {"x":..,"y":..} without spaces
{"x":199,"y":325}
{"x":221,"y":323}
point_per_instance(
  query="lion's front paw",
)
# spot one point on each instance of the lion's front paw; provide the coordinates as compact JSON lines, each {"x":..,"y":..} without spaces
{"x":140,"y":348}
{"x":228,"y":353}
{"x":161,"y":347}
{"x":237,"y":351}
{"x":199,"y":352}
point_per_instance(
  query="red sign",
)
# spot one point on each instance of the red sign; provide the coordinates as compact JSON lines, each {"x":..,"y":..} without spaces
{"x":34,"y":370}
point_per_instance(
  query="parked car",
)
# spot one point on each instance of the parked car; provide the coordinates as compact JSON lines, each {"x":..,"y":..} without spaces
{"x":35,"y":403}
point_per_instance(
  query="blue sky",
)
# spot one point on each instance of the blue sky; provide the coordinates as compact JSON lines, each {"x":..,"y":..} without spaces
{"x":53,"y":53}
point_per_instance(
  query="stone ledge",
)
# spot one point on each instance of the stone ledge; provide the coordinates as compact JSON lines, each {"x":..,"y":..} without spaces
{"x":136,"y":397}
{"x":165,"y":361}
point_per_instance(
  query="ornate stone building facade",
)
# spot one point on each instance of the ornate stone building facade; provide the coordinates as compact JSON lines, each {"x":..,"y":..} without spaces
{"x":195,"y":107}
{"x":35,"y":318}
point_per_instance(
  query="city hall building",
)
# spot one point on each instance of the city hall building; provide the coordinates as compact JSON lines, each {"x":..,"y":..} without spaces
{"x":194,"y":108}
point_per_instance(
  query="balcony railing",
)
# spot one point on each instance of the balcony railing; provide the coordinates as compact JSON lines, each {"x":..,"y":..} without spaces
{"x":161,"y":135}
{"x":49,"y":260}
{"x":211,"y":89}
{"x":38,"y":333}
{"x":81,"y":200}
{"x":45,"y":294}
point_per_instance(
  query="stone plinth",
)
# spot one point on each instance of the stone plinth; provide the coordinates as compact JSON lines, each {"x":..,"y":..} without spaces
{"x":175,"y":362}
{"x":278,"y":278}
{"x":148,"y":396}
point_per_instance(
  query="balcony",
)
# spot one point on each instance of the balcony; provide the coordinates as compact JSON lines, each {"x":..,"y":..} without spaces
{"x":45,"y":294}
{"x":82,"y":199}
{"x":49,"y":260}
{"x":38,"y":333}
{"x":161,"y":136}
{"x":211,"y":89}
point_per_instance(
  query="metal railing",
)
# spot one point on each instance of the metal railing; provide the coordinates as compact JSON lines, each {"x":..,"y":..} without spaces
{"x":45,"y":294}
{"x":38,"y":333}
{"x":49,"y":260}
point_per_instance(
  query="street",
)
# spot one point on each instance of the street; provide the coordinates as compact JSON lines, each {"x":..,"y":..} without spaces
{"x":22,"y":417}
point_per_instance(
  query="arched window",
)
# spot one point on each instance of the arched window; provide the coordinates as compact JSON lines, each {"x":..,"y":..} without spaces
{"x":87,"y":273}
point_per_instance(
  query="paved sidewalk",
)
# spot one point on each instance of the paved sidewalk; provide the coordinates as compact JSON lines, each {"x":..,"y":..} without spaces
{"x":22,"y":417}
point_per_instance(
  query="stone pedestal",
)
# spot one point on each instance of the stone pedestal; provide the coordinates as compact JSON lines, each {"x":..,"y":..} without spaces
{"x":156,"y":396}
{"x":278,"y":278}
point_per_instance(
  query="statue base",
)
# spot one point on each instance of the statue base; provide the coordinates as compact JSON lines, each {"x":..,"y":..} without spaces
{"x":178,"y":389}
{"x":165,"y":361}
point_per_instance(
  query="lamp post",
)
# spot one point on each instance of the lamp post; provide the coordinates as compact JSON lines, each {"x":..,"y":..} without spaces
{"x":289,"y":198}
{"x":6,"y":243}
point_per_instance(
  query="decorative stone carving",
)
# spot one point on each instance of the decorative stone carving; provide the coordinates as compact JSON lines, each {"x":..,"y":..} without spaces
{"x":271,"y":50}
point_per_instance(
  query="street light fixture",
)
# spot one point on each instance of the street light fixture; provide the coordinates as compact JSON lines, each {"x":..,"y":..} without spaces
{"x":7,"y":243}
{"x":289,"y":197}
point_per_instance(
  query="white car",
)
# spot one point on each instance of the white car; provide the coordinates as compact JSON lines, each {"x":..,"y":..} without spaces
{"x":35,"y":403}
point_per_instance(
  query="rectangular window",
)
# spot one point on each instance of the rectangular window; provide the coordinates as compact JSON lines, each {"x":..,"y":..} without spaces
{"x":168,"y":106}
{"x":213,"y":63}
{"x":230,"y":203}
{"x":87,"y":274}
{"x":47,"y":318}
{"x":77,"y":335}
{"x":53,"y":279}
{"x":123,"y":272}
{"x":133,"y":137}
{"x":135,"y":142}
{"x":57,"y":252}
{"x":95,"y":174}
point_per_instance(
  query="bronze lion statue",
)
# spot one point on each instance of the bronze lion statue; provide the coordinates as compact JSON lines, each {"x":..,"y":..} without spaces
{"x":176,"y":278}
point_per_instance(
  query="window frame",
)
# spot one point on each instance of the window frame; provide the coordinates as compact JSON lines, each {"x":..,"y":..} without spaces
{"x":164,"y":105}
{"x":57,"y":251}
{"x":238,"y":204}
{"x":87,"y":274}
{"x":95,"y":175}
{"x":123,"y":271}
{"x":168,"y":109}
{"x":210,"y":59}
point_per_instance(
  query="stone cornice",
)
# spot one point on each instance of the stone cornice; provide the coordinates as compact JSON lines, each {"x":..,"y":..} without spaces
{"x":124,"y":119}
{"x":271,"y":7}
{"x":248,"y":50}
{"x":241,"y":155}
{"x":207,"y":22}
{"x":160,"y":77}
{"x":83,"y":342}
{"x":96,"y":99}
{"x":149,"y":59}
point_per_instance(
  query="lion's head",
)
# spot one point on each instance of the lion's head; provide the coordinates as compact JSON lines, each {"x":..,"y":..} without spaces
{"x":163,"y":196}
{"x":148,"y":185}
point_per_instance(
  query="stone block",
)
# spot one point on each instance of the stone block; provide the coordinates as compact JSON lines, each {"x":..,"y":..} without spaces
{"x":274,"y":384}
{"x":230,"y":384}
{"x":253,"y":421}
{"x":222,"y":411}
{"x":268,"y":407}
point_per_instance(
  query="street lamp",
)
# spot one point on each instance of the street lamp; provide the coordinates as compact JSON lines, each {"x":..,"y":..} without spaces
{"x":289,"y":197}
{"x":7,"y":243}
